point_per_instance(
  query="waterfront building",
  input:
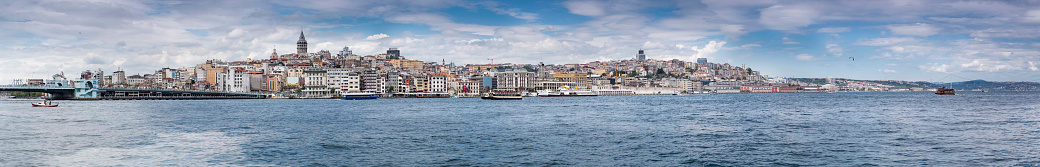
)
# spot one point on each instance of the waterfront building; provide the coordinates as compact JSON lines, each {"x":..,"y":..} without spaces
{"x":579,"y":79}
{"x":274,"y":83}
{"x":438,"y":82}
{"x":514,"y":81}
{"x":371,"y":82}
{"x":314,"y":85}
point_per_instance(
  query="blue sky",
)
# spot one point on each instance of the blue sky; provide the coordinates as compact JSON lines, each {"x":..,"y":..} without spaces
{"x":890,"y":39}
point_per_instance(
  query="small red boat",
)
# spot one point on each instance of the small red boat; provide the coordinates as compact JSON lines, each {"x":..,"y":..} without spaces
{"x":44,"y":104}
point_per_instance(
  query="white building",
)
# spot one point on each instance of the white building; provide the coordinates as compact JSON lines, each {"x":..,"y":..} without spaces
{"x":315,"y":82}
{"x":438,"y":83}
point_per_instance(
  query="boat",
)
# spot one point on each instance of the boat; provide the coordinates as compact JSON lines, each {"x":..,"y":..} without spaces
{"x":565,"y":92}
{"x":985,"y":90}
{"x":359,"y":96}
{"x":944,"y":91}
{"x":502,"y":96}
{"x":44,"y":104}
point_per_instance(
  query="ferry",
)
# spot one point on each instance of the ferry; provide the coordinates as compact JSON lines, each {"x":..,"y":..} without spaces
{"x":359,"y":96}
{"x":944,"y":91}
{"x":564,"y":92}
{"x":502,"y":96}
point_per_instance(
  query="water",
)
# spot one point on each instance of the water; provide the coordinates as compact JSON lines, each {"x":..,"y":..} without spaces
{"x":812,"y":129}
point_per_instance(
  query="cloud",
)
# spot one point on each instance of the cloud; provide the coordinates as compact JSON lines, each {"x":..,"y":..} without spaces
{"x":804,"y":57}
{"x":835,"y":50}
{"x":919,"y":29}
{"x":933,"y":67}
{"x":1008,"y":32}
{"x":788,"y":41}
{"x":377,"y":36}
{"x":833,"y":30}
{"x":788,"y":18}
{"x":887,"y":41}
{"x":1032,"y":16}
{"x":887,"y":71}
{"x":708,"y":49}
{"x":585,"y":8}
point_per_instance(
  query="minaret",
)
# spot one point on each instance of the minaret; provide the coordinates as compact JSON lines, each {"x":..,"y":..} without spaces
{"x":301,"y":45}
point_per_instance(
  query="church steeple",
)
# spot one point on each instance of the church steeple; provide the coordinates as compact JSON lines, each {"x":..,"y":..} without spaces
{"x":301,"y":45}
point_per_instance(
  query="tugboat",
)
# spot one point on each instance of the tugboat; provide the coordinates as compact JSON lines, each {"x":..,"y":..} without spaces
{"x":359,"y":96}
{"x":502,"y":96}
{"x":44,"y":104}
{"x":944,"y":91}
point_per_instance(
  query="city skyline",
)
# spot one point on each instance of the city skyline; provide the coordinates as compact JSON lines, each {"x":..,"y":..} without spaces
{"x":899,"y":40}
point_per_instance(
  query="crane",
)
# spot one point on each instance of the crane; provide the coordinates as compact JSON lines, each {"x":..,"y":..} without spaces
{"x":492,"y":61}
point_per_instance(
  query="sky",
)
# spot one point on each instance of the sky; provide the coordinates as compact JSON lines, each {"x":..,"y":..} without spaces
{"x":889,"y":39}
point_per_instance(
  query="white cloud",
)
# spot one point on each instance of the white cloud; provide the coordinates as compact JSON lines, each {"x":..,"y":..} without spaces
{"x":1031,"y":16}
{"x":919,"y":29}
{"x":888,"y":71}
{"x":833,"y":30}
{"x":585,"y":8}
{"x":377,"y":36}
{"x":933,"y":67}
{"x":887,"y":41}
{"x":788,"y":41}
{"x":788,"y":18}
{"x":804,"y":57}
{"x":835,"y":50}
{"x":708,"y":50}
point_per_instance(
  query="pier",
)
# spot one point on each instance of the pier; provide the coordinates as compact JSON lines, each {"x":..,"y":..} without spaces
{"x":84,"y":90}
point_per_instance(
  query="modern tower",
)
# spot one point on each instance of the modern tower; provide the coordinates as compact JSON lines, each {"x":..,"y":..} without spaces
{"x":301,"y":45}
{"x":394,"y":53}
{"x":641,"y":56}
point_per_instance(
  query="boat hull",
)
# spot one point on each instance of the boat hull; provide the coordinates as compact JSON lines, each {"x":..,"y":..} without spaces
{"x":360,"y":97}
{"x":40,"y":105}
{"x":502,"y":98}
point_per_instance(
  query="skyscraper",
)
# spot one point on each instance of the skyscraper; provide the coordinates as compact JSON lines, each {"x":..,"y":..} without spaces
{"x":393,"y":53}
{"x":641,"y":56}
{"x":702,"y":60}
{"x":301,"y":45}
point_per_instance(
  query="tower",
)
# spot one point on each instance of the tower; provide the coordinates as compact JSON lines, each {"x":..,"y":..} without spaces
{"x":301,"y":45}
{"x":274,"y":54}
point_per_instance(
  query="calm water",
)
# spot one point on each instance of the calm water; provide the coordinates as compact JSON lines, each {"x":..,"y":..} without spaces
{"x":821,"y":129}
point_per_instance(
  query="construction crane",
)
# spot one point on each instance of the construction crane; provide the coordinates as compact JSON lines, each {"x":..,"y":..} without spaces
{"x":492,"y":61}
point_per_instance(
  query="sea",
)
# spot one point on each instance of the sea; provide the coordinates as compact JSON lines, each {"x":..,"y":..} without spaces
{"x":776,"y":129}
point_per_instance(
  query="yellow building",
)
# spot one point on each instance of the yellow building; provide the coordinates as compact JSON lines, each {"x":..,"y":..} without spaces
{"x":599,"y":71}
{"x":413,"y":64}
{"x":579,"y":79}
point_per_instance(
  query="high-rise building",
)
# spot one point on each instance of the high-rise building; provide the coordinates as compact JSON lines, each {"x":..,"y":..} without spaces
{"x":301,"y":45}
{"x":641,"y":56}
{"x":702,"y":60}
{"x":393,"y":53}
{"x":119,"y":77}
{"x":345,"y":52}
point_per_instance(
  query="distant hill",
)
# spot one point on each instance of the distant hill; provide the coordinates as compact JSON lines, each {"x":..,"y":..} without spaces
{"x":965,"y":85}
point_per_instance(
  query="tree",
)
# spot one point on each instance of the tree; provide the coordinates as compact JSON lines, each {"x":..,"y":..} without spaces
{"x":660,"y":71}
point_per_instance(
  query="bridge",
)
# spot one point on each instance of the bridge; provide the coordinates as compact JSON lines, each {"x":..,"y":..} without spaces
{"x":85,"y":90}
